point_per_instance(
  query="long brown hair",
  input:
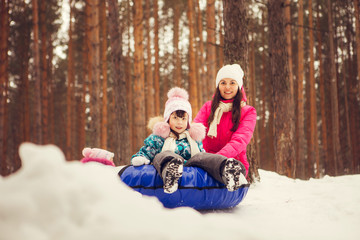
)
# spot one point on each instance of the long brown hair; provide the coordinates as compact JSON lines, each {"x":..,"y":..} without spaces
{"x":236,"y":109}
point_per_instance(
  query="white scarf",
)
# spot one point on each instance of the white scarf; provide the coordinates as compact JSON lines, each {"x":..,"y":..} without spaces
{"x":170,"y":143}
{"x":223,"y":107}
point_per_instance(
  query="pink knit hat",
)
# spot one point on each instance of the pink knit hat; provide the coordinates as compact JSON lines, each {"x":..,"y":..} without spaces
{"x":178,"y":100}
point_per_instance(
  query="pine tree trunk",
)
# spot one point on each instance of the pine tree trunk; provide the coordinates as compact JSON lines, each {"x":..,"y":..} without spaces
{"x":289,"y":52}
{"x":357,"y":30}
{"x":300,"y":158}
{"x":129,"y":82}
{"x":354,"y":110}
{"x":70,"y":85}
{"x":201,"y":61}
{"x":121,"y":122}
{"x":193,"y":93}
{"x":236,"y":51}
{"x":313,"y":148}
{"x":279,"y":73}
{"x":36,"y":76}
{"x":89,"y":63}
{"x":346,"y":133}
{"x":44,"y":79}
{"x":334,"y":96}
{"x":221,"y":47}
{"x":95,"y":78}
{"x":104,"y":106}
{"x":177,"y":54}
{"x":130,"y":106}
{"x":25,"y":56}
{"x":157,"y":65}
{"x":210,"y":47}
{"x":149,"y":86}
{"x":83,"y":82}
{"x":139,"y":107}
{"x":323,"y":108}
{"x":50,"y":74}
{"x":266,"y":150}
{"x":255,"y":140}
{"x":4,"y":168}
{"x":236,"y":38}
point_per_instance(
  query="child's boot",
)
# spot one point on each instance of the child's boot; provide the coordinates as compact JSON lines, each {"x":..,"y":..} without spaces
{"x":171,"y":173}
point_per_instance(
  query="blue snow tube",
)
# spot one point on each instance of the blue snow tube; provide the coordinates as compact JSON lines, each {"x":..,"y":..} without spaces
{"x":197,"y":189}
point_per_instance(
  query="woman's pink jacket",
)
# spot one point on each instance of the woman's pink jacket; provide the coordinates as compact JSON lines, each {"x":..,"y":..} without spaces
{"x":227,"y":143}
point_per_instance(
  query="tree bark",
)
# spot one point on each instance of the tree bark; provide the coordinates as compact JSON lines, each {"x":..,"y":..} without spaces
{"x":149,"y":86}
{"x":44,"y":78}
{"x":95,"y":77}
{"x":300,"y":158}
{"x":4,"y":78}
{"x":129,"y":81}
{"x":221,"y":36}
{"x":279,"y":73}
{"x":289,"y":52}
{"x":193,"y":93}
{"x":313,"y":148}
{"x":121,"y":124}
{"x":104,"y":106}
{"x":255,"y":140}
{"x":139,"y":84}
{"x":357,"y":31}
{"x":210,"y":46}
{"x":157,"y":65}
{"x":236,"y":51}
{"x":334,"y":95}
{"x":36,"y":76}
{"x":70,"y":89}
{"x":323,"y":108}
{"x":201,"y":83}
{"x":177,"y":53}
{"x":50,"y":76}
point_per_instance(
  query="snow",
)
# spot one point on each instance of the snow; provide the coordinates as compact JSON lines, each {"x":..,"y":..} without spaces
{"x":49,"y":198}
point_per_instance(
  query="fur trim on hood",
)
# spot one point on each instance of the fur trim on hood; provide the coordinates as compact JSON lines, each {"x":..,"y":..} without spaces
{"x":161,"y":128}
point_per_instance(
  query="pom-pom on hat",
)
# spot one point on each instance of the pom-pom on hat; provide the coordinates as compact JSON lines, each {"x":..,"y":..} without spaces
{"x":232,"y":71}
{"x":178,"y":99}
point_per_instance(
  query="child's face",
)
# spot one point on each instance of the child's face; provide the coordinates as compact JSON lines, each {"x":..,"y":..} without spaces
{"x":178,"y":124}
{"x":228,"y":88}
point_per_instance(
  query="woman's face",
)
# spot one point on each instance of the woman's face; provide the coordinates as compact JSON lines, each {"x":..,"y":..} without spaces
{"x":228,"y":88}
{"x":178,"y":124}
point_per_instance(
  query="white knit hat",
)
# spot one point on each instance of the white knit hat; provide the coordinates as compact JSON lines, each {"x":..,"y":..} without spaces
{"x":178,"y":100}
{"x":232,"y":71}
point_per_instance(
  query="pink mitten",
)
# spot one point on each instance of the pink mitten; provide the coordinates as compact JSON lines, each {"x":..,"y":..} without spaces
{"x":97,"y":155}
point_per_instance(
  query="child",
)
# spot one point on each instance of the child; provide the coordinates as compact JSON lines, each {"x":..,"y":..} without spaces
{"x":176,"y":141}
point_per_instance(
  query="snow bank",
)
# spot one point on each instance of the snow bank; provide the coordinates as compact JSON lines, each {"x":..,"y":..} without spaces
{"x":49,"y":198}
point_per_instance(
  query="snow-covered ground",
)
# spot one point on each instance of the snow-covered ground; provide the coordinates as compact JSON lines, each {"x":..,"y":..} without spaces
{"x":49,"y":198}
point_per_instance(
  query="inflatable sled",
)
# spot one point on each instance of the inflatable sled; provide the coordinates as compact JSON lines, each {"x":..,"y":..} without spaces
{"x":197,"y":189}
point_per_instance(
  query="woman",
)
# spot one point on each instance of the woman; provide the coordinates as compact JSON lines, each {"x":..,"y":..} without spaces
{"x":229,"y":121}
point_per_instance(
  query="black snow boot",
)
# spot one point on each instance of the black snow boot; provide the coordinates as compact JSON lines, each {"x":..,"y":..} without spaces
{"x":171,"y":173}
{"x":234,"y":174}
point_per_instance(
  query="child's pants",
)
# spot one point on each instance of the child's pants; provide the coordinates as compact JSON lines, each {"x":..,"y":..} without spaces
{"x":213,"y":164}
